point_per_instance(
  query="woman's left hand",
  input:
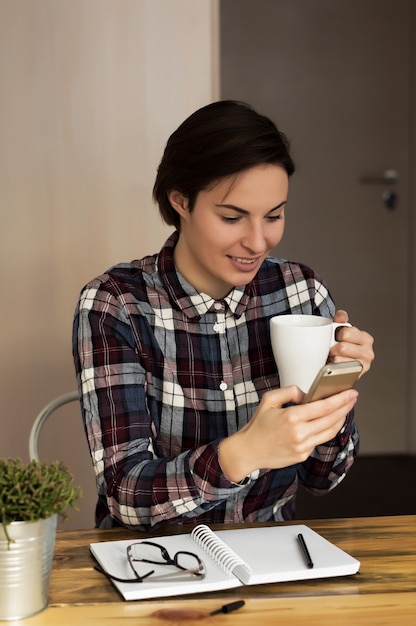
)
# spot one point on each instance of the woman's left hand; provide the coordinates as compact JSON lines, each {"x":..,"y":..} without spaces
{"x":352,"y":343}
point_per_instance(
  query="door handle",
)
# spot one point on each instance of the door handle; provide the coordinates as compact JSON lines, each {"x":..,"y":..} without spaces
{"x":388,"y":177}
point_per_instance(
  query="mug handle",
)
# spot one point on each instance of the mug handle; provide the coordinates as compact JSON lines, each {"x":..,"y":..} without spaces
{"x":335,"y":326}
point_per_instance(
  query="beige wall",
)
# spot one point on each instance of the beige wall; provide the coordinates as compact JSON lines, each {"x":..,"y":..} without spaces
{"x":89,"y":92}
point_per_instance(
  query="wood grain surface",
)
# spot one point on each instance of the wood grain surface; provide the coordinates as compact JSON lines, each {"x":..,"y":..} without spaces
{"x":384,"y":591}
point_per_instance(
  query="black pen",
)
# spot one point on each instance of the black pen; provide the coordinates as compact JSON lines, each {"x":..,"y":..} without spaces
{"x":305,"y":550}
{"x":228,"y":608}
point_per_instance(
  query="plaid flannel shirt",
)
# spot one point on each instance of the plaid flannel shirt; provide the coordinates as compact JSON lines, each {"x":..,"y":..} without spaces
{"x":165,"y":373}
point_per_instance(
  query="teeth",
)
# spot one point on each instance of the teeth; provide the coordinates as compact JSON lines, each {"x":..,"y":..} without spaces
{"x":246,"y":261}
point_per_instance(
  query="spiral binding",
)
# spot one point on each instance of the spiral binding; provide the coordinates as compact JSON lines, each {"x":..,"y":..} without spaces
{"x":218,"y":551}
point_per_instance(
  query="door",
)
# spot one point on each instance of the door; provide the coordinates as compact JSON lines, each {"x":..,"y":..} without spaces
{"x":334,"y":76}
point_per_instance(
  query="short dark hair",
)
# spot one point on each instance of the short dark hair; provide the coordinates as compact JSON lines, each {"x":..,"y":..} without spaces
{"x":218,"y":140}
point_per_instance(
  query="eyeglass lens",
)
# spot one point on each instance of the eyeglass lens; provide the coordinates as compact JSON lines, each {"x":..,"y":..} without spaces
{"x":152,"y":553}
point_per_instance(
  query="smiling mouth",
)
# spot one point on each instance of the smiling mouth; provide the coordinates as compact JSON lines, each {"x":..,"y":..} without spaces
{"x":244,"y":261}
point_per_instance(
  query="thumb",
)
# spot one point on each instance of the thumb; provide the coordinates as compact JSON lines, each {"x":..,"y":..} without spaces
{"x":341,"y":316}
{"x":280,"y":398}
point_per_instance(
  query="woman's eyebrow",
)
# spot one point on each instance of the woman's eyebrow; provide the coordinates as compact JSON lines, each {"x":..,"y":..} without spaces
{"x":244,"y":211}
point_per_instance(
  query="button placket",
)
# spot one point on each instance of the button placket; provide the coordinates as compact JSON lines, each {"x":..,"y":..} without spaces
{"x":219,"y":327}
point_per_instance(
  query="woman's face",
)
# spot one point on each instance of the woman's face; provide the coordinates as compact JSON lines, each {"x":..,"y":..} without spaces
{"x":231,"y":229}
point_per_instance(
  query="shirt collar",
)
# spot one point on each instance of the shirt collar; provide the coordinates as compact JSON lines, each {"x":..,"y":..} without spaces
{"x":193,"y":303}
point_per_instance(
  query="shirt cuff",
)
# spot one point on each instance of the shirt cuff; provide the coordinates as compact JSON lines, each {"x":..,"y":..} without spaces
{"x":207,"y":472}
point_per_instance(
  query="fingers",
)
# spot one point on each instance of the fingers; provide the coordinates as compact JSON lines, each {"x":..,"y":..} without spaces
{"x":283,"y":396}
{"x":277,"y":437}
{"x":315,"y":418}
{"x":353,"y":343}
{"x":320,"y":421}
{"x":329,"y":414}
{"x":323,"y":414}
{"x":277,"y":398}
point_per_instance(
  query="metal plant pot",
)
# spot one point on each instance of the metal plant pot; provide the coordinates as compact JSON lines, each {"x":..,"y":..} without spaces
{"x":25,"y":567}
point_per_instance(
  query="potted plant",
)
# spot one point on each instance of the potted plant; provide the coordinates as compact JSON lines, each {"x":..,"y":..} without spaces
{"x":32,"y":496}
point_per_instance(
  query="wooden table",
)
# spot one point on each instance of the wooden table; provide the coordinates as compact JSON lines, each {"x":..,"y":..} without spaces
{"x":384,"y":592}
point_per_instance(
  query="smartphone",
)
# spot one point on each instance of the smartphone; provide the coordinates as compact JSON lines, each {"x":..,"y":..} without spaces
{"x":333,"y":378}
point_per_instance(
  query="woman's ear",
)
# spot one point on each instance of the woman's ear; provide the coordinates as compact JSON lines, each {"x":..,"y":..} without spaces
{"x":179,"y":202}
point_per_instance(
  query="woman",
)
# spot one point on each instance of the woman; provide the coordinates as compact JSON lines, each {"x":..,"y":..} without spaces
{"x":179,"y":389}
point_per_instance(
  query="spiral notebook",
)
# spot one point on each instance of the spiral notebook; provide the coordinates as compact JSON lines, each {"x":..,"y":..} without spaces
{"x":232,"y":558}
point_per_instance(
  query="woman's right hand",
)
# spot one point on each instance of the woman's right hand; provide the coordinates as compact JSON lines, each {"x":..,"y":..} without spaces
{"x":279,"y":436}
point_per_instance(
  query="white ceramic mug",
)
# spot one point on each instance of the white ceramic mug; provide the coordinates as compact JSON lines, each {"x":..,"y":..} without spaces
{"x":301,"y":345}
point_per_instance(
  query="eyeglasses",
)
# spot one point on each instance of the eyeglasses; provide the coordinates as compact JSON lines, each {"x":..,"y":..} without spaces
{"x":188,"y":565}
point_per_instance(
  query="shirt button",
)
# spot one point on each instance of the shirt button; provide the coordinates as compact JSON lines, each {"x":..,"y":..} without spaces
{"x":218,"y":306}
{"x":223,"y":386}
{"x":216,"y":328}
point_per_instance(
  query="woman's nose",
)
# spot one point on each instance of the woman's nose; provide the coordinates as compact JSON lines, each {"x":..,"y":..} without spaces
{"x":255,"y":239}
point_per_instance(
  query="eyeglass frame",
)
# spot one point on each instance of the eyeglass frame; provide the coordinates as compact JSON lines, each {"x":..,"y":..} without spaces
{"x":199,"y":572}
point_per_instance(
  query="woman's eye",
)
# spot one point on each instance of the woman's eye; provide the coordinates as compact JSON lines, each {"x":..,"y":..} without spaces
{"x":230,"y":220}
